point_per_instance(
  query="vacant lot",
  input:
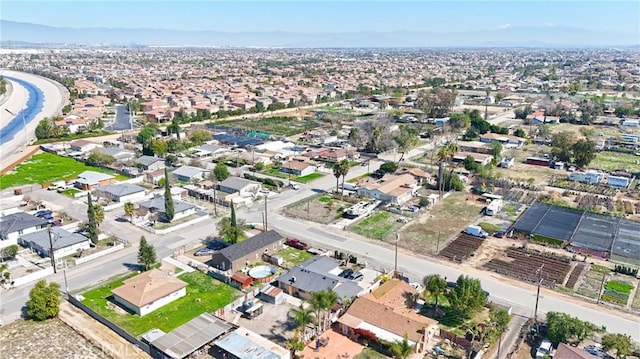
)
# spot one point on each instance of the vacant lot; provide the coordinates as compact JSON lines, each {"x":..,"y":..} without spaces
{"x":378,"y":225}
{"x":610,"y":161}
{"x":277,"y":126}
{"x":49,"y":339}
{"x":308,"y":178}
{"x":204,"y":294}
{"x":322,"y":209}
{"x":447,"y":218}
{"x":45,"y":168}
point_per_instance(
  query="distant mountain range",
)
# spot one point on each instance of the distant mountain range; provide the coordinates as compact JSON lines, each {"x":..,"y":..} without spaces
{"x":507,"y":36}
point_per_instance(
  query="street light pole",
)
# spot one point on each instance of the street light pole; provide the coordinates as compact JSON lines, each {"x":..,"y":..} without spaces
{"x":535,"y":311}
{"x":51,"y":254}
{"x":395,"y":270}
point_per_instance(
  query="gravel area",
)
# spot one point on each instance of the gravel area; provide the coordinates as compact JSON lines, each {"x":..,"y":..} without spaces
{"x":50,"y":339}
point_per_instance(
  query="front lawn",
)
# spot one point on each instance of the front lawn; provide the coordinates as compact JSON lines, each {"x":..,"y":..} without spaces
{"x":45,"y":168}
{"x":204,"y":295}
{"x":275,"y":172}
{"x":378,"y":225}
{"x":293,"y":256}
{"x":611,"y":161}
{"x":308,"y":178}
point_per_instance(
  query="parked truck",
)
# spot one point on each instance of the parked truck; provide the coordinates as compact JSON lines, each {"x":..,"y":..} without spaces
{"x":476,"y":231}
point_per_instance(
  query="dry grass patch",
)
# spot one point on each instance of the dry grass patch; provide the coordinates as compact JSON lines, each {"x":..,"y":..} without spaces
{"x":448,"y":217}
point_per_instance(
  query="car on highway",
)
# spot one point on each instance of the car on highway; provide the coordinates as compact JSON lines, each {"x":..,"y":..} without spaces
{"x":296,"y":243}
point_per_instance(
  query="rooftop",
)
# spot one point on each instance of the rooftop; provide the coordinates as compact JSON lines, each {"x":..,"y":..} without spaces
{"x":148,"y":287}
{"x":245,"y":344}
{"x":191,"y":336}
{"x":251,"y":245}
{"x":18,"y":221}
{"x":59,"y":237}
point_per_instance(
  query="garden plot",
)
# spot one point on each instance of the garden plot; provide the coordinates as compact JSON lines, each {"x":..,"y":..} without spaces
{"x":592,"y":281}
{"x":617,"y":291}
{"x":379,"y":225}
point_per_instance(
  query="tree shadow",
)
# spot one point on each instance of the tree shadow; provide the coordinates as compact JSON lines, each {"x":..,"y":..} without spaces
{"x":134,"y":267}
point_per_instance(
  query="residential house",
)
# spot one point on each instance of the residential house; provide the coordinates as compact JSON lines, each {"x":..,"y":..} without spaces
{"x":566,"y":351}
{"x":590,"y":177}
{"x":618,"y":181}
{"x":186,"y":339}
{"x":508,"y":140}
{"x":480,"y":158}
{"x":150,"y":163}
{"x":83,"y":146}
{"x":64,"y":243}
{"x":149,"y":291}
{"x":89,"y":180}
{"x":154,"y":177}
{"x":387,"y":313}
{"x":121,"y":192}
{"x":242,"y":186}
{"x":209,"y":150}
{"x":317,"y":274}
{"x":73,"y":122}
{"x":118,"y":154}
{"x":156,"y":206}
{"x":334,"y":155}
{"x":241,"y":255}
{"x":395,"y":189}
{"x":245,"y":344}
{"x":17,"y":224}
{"x":420,"y":175}
{"x":190,"y":173}
{"x":474,"y":146}
{"x":298,"y":168}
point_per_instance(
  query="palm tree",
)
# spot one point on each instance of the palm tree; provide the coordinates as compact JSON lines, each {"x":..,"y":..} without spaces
{"x":129,"y":209}
{"x":445,"y":154}
{"x":344,"y":170}
{"x":322,"y":302}
{"x":401,"y":350}
{"x":295,"y":343}
{"x":337,"y":172}
{"x":302,"y":317}
{"x":435,"y":285}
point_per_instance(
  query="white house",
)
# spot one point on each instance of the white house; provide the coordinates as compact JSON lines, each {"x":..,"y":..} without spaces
{"x":64,"y":243}
{"x":392,"y":189}
{"x":89,"y":180}
{"x":190,"y":173}
{"x":156,"y":205}
{"x":149,"y":291}
{"x":618,"y":181}
{"x":150,"y":163}
{"x":591,"y":177}
{"x":298,"y":168}
{"x":16,"y":224}
{"x":121,"y":192}
{"x":242,"y":186}
{"x":83,"y":146}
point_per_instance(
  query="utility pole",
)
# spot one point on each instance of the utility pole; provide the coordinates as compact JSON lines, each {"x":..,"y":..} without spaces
{"x":308,"y":209}
{"x":395,"y":270}
{"x":535,"y":311}
{"x":66,"y":284}
{"x":499,"y":344}
{"x":438,"y":244}
{"x":266,"y":214}
{"x":53,"y":259}
{"x":604,"y":277}
{"x":215,"y":205}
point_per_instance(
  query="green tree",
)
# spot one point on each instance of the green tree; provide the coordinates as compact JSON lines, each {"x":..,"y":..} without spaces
{"x":496,"y":149}
{"x":146,"y":137}
{"x":562,"y":328}
{"x":221,"y":172}
{"x":258,"y":166}
{"x":199,"y":137}
{"x":171,"y":160}
{"x":401,"y":350}
{"x":174,"y":128}
{"x":295,"y":343}
{"x":459,"y":120}
{"x":519,"y":133}
{"x":169,"y":210}
{"x":98,"y":213}
{"x":584,"y":151}
{"x":146,"y":254}
{"x":92,"y":225}
{"x":99,"y":159}
{"x":259,"y":107}
{"x":44,"y":129}
{"x":337,"y":172}
{"x":302,"y":316}
{"x":321,"y":302}
{"x":389,"y":167}
{"x":129,"y":209}
{"x":621,"y":343}
{"x":5,"y":275}
{"x":10,"y":252}
{"x":544,"y":131}
{"x":467,"y":298}
{"x":232,"y":229}
{"x":159,"y":148}
{"x":435,"y":285}
{"x":44,"y":301}
{"x":561,"y":144}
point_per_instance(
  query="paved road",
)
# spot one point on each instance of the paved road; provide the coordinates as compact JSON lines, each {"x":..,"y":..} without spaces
{"x":121,"y":120}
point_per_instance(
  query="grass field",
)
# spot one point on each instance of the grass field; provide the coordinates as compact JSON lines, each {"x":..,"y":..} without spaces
{"x":294,"y":256}
{"x":379,"y":225}
{"x":278,"y":126}
{"x":619,"y":286}
{"x":45,"y":168}
{"x":610,"y":161}
{"x":308,"y":178}
{"x":204,"y":294}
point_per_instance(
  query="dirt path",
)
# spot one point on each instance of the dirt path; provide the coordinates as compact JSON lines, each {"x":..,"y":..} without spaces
{"x":99,"y":335}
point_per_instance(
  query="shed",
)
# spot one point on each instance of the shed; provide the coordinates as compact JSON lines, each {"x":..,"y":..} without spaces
{"x":242,"y":279}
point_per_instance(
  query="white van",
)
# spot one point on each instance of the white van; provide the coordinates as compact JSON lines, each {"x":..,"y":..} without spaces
{"x":350,"y":186}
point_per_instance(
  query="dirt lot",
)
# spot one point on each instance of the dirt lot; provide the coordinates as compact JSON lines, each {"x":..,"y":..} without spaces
{"x":50,"y":339}
{"x":445,"y":219}
{"x":321,"y":209}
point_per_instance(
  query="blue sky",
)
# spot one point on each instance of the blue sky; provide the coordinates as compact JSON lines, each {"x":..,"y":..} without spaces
{"x":328,"y":16}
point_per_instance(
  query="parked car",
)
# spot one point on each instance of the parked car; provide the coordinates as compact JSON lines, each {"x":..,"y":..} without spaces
{"x":346,"y":273}
{"x":217,"y":244}
{"x":204,"y":252}
{"x":296,"y":243}
{"x":356,"y":276}
{"x":264,"y":190}
{"x":499,"y":234}
{"x":295,"y":186}
{"x":544,"y":349}
{"x":44,"y":213}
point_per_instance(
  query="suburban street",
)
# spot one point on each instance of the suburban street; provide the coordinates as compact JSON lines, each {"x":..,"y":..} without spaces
{"x":378,"y":255}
